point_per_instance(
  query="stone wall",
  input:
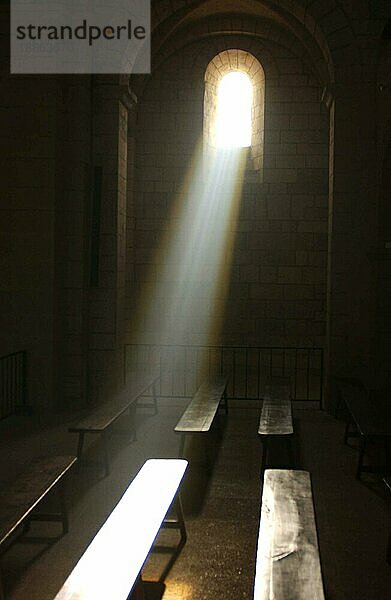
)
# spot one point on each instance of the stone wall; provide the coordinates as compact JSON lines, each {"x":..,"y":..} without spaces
{"x":27,"y":220}
{"x":277,"y":279}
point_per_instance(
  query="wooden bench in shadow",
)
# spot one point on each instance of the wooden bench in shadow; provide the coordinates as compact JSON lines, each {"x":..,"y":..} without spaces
{"x":368,"y":420}
{"x":102,"y":417}
{"x":276,"y":418}
{"x":202,"y":409}
{"x":110,"y":568}
{"x":287,"y":563}
{"x":21,"y":497}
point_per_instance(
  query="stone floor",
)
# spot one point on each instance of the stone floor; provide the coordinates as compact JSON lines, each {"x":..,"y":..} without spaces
{"x":222,"y":509}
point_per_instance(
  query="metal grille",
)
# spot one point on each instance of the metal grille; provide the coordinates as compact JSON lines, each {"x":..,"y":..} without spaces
{"x":182,"y":368}
{"x":12,"y":383}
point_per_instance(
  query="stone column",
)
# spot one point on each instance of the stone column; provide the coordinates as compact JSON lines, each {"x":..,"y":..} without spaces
{"x":107,"y":292}
{"x":351,"y":306}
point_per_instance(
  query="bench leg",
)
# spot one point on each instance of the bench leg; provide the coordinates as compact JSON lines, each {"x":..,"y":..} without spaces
{"x":154,"y":394}
{"x":153,"y":386}
{"x":224,"y":404}
{"x":60,"y":516}
{"x":132,"y":417}
{"x":181,"y":519}
{"x":63,"y":508}
{"x":181,"y":446}
{"x":361,"y":457}
{"x":208,"y":457}
{"x":138,"y":591}
{"x":178,"y":523}
{"x":347,"y":432}
{"x":106,"y":454}
{"x":80,"y":444}
{"x":264,"y":456}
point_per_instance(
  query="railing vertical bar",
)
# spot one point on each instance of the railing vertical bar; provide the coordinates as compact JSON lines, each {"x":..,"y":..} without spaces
{"x":11,"y":389}
{"x":1,"y":388}
{"x":7,"y":393}
{"x":185,"y":373}
{"x":321,"y":381}
{"x":221,"y":359}
{"x":24,"y":379}
{"x":160,"y":373}
{"x":13,"y":383}
{"x":246,"y":375}
{"x":308,"y":373}
{"x":172,"y":373}
{"x":6,"y":388}
{"x":234,"y":372}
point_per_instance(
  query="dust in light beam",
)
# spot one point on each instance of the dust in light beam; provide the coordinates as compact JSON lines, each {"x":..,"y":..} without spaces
{"x":183,"y":302}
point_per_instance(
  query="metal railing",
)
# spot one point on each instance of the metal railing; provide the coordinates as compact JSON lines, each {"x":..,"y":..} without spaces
{"x":183,"y":367}
{"x":13,"y":377}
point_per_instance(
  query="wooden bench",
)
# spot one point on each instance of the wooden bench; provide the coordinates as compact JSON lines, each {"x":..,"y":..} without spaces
{"x":369,"y":422}
{"x":111,"y":566}
{"x":99,"y":421}
{"x":287,"y":563}
{"x":201,"y":411}
{"x":276,"y":417}
{"x":20,"y":497}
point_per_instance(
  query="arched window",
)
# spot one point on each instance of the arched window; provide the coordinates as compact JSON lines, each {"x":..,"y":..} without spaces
{"x":234,"y":104}
{"x":233,"y":118}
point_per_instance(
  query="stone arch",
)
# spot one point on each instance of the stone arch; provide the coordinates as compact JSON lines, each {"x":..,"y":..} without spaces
{"x":291,"y":16}
{"x":259,"y":29}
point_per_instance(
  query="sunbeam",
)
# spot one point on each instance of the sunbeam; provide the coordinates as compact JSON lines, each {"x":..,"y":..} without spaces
{"x":186,"y":303}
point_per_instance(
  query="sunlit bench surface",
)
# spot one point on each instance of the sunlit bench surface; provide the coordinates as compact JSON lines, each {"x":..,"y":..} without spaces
{"x":288,"y":565}
{"x":112,"y":563}
{"x":202,"y":409}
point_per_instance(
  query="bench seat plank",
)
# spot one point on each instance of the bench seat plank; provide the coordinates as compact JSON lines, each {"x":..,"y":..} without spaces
{"x":110,"y":566}
{"x":276,"y":414}
{"x":29,"y":488}
{"x":104,"y":415}
{"x":288,"y":565}
{"x":199,"y":415}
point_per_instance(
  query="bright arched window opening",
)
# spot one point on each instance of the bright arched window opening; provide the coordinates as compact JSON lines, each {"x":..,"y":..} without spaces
{"x":234,"y":106}
{"x":234,"y":103}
